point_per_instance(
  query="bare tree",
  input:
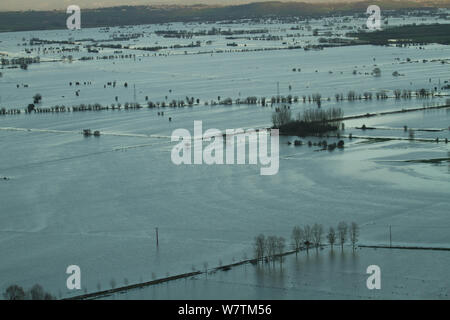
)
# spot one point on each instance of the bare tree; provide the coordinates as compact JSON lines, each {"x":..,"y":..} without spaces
{"x":37,"y":292}
{"x":331,"y":236}
{"x":317,"y":232}
{"x":354,"y":233}
{"x":37,"y":98}
{"x":14,"y":292}
{"x":376,"y":72}
{"x":280,"y":246}
{"x":307,"y":237}
{"x":281,"y":117}
{"x":48,"y":296}
{"x":297,"y":238}
{"x":271,"y":245}
{"x":112,"y":283}
{"x":260,"y":247}
{"x":342,"y":233}
{"x":205,"y":268}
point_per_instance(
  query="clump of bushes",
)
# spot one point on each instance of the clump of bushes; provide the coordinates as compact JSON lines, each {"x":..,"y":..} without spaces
{"x":310,"y":122}
{"x":281,"y":117}
{"x":15,"y":292}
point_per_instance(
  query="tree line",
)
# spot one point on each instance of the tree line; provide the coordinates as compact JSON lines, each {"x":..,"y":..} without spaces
{"x":310,"y":122}
{"x":15,"y":292}
{"x":272,"y":248}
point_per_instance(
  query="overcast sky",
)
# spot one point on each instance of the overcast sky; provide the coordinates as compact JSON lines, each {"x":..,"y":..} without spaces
{"x":12,"y":5}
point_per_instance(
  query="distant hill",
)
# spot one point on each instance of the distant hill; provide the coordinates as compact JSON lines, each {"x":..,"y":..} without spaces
{"x":135,"y":15}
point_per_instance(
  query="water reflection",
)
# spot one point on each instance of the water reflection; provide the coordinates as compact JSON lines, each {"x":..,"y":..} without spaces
{"x":271,"y":275}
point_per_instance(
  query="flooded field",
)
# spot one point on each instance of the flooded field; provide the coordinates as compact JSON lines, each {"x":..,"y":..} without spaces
{"x":96,"y":201}
{"x":323,"y":275}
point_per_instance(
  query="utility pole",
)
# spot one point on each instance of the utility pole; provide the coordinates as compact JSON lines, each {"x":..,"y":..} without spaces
{"x":278,"y":91}
{"x":157,"y":237}
{"x":134,"y":96}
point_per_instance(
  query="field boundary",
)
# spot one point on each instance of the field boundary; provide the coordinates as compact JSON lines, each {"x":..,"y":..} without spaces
{"x":404,"y":247}
{"x":383,"y":113}
{"x":104,"y":293}
{"x":99,"y":294}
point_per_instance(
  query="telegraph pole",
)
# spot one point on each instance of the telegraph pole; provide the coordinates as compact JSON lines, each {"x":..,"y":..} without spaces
{"x":278,"y":91}
{"x":157,"y":237}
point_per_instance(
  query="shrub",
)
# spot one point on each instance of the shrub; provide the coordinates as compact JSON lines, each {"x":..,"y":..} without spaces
{"x":14,"y":292}
{"x":312,"y":122}
{"x":281,"y":117}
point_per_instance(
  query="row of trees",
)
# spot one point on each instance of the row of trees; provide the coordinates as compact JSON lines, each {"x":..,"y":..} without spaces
{"x":383,"y":94}
{"x":317,"y":97}
{"x":4,"y":111}
{"x":310,"y":122}
{"x":308,"y":236}
{"x":77,"y":108}
{"x":19,"y":61}
{"x":272,"y":248}
{"x":318,"y":115}
{"x":283,"y":116}
{"x":15,"y":292}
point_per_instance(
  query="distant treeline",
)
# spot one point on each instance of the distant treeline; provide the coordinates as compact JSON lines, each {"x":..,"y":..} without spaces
{"x":212,"y":32}
{"x":136,"y":15}
{"x":410,"y":34}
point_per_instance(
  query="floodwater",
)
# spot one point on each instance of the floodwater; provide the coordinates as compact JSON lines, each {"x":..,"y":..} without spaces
{"x":320,"y":275}
{"x":95,"y":202}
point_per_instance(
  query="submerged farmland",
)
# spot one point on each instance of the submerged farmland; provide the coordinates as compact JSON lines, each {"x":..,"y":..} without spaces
{"x":95,"y":200}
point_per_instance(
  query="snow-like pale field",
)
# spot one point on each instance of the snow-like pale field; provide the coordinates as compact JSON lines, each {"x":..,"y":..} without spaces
{"x":95,"y":202}
{"x":326,"y":275}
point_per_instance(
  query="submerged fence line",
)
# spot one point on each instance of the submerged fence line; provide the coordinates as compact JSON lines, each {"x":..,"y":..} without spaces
{"x":383,"y":113}
{"x":104,"y":293}
{"x":221,"y":101}
{"x":405,"y":247}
